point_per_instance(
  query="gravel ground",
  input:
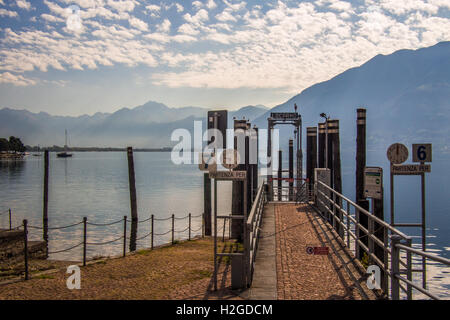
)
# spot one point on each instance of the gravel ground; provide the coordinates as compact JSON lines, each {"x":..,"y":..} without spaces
{"x":181,"y":271}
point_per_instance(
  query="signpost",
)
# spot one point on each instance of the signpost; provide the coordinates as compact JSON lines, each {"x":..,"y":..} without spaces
{"x":397,"y":154}
{"x":373,"y":182}
{"x":228,"y":175}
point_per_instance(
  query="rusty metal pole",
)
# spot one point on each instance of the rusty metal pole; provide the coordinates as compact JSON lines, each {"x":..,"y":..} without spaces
{"x":133,"y":202}
{"x":45,"y":209}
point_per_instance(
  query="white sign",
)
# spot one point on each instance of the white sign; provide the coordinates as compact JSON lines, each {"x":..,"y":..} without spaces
{"x":410,"y":169}
{"x":397,"y":153}
{"x":373,"y":182}
{"x":228,"y":175}
{"x":421,"y":152}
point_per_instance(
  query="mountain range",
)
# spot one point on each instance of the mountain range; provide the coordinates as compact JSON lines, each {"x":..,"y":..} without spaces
{"x":406,"y":94}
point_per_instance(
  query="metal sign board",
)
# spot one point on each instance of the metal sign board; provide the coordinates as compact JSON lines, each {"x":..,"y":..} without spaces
{"x":317,"y":250}
{"x":410,"y":169}
{"x":284,"y":115}
{"x":230,"y":158}
{"x":421,"y":152}
{"x":218,"y":119}
{"x":373,"y":182}
{"x":228,"y":175}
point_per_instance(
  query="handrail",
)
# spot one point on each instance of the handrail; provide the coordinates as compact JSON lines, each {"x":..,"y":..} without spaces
{"x":331,"y":205}
{"x":425,"y":254}
{"x":367,"y":213}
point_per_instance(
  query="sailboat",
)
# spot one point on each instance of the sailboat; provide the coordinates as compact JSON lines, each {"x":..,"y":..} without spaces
{"x":64,"y":154}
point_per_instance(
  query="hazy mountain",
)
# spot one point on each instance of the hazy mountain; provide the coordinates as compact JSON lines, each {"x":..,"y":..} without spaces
{"x":148,"y":125}
{"x":406,"y":94}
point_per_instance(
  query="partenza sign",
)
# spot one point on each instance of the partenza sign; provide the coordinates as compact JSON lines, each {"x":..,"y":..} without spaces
{"x":284,"y":115}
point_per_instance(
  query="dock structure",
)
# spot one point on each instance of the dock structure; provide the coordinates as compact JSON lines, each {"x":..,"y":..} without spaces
{"x":311,"y":242}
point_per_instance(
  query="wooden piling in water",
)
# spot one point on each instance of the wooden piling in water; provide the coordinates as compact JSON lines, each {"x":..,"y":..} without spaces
{"x":321,"y":146}
{"x":207,"y":203}
{"x":45,"y":204}
{"x":133,"y":202}
{"x":360,"y":164}
{"x":333,"y":133}
{"x":311,"y":155}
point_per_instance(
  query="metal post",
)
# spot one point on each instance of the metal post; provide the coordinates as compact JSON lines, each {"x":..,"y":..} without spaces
{"x":409,"y":269}
{"x":133,"y":201}
{"x":124,"y":235}
{"x":386,"y":262}
{"x":203,"y":225}
{"x":84,"y":239}
{"x":371,"y":233}
{"x":207,"y":204}
{"x":291,"y":169}
{"x":395,"y":267}
{"x":424,"y":233}
{"x":10,"y":224}
{"x":153,"y":229}
{"x":25,"y":247}
{"x":280,"y":169}
{"x":189,"y":226}
{"x":173,"y":228}
{"x":348,"y":225}
{"x":357,"y":250}
{"x":215,"y":235}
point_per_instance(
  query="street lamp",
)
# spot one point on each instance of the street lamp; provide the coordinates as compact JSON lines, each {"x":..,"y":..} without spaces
{"x":324,"y":115}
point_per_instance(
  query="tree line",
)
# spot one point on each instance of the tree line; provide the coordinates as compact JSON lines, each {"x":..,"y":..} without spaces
{"x":13,"y":144}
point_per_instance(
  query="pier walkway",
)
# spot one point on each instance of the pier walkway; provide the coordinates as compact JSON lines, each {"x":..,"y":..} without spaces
{"x":283,"y":268}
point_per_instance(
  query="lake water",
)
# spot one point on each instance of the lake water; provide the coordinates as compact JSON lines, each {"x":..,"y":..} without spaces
{"x":95,"y":185}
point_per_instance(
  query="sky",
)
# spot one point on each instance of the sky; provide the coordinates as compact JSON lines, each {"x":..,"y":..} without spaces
{"x":74,"y":57}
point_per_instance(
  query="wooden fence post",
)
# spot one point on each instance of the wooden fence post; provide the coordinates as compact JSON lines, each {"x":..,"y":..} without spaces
{"x":153,"y":229}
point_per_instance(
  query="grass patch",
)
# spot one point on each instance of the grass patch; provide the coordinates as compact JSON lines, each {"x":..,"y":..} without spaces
{"x":143,"y":252}
{"x":45,"y":276}
{"x":201,"y":273}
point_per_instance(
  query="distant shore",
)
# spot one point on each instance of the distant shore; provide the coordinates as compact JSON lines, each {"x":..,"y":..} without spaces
{"x":96,"y":149}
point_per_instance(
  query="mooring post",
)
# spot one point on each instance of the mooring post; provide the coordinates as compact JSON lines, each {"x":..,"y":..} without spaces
{"x":311,"y":155}
{"x":321,"y":146}
{"x":207,"y":203}
{"x":280,"y":170}
{"x":333,"y":132}
{"x":84,"y":239}
{"x":153,"y":230}
{"x":45,"y":209}
{"x":360,"y":164}
{"x":255,"y":158}
{"x":124,"y":235}
{"x":237,"y":205}
{"x":10,"y":223}
{"x":291,"y":170}
{"x":25,"y":246}
{"x":133,"y":202}
{"x":173,"y":228}
{"x":189,"y":226}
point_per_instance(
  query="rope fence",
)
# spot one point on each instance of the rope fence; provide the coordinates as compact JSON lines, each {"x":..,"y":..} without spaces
{"x":26,"y":227}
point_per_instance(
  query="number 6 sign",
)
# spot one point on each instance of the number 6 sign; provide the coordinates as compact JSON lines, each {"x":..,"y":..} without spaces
{"x":422,"y":152}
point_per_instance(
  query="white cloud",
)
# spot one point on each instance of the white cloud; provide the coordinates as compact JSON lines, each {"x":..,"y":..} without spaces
{"x":122,"y":6}
{"x":23,"y":4}
{"x":179,"y":7}
{"x":8,"y":13}
{"x":198,"y":18}
{"x":17,"y":80}
{"x":211,"y":4}
{"x":197,"y":4}
{"x":225,"y":16}
{"x":187,"y":28}
{"x":51,"y":18}
{"x":164,"y":26}
{"x":138,"y":24}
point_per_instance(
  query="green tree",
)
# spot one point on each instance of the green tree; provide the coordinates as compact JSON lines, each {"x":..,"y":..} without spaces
{"x":4,"y":144}
{"x":16,"y":145}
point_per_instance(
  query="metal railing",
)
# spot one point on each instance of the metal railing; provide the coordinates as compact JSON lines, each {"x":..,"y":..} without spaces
{"x":332,"y":204}
{"x":252,"y":229}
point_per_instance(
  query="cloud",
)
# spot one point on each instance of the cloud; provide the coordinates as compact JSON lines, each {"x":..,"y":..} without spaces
{"x":198,"y":18}
{"x":138,"y":24}
{"x":211,"y":4}
{"x":8,"y":13}
{"x":164,"y":26}
{"x":23,"y":4}
{"x":17,"y":80}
